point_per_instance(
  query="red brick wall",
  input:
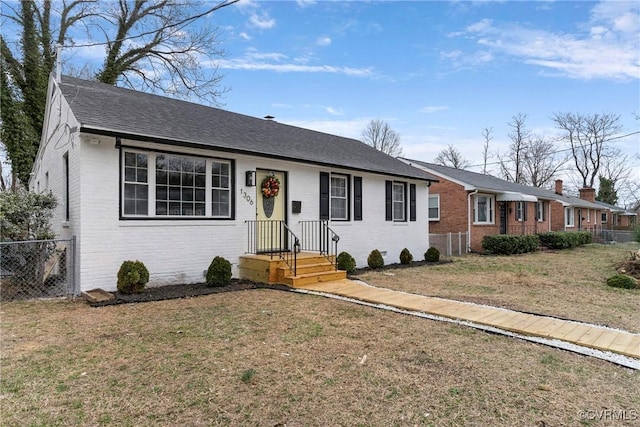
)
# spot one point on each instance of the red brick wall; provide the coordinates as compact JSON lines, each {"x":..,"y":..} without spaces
{"x":453,"y":207}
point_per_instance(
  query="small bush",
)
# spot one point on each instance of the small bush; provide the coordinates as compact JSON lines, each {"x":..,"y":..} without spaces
{"x":405,"y":256}
{"x":375,"y":260}
{"x":132,"y":277}
{"x":432,"y":255}
{"x":346,"y":262}
{"x":622,"y":281}
{"x":219,"y":272}
{"x":509,"y":244}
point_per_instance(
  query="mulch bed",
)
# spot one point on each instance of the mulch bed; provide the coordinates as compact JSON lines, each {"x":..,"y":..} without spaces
{"x":160,"y":293}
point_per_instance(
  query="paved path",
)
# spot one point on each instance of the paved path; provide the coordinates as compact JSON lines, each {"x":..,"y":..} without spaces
{"x":593,"y":336}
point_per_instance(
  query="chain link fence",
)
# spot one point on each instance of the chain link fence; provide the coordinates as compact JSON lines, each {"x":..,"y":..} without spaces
{"x":450,"y":244}
{"x":37,"y":269}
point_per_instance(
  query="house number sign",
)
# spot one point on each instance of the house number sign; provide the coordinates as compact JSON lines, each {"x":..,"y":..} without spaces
{"x":246,"y":196}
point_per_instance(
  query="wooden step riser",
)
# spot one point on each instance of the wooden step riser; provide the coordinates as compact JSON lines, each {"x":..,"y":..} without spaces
{"x":325,"y":277}
{"x":304,"y":269}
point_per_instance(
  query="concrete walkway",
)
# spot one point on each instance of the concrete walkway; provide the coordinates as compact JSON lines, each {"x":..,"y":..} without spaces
{"x":581,"y":334}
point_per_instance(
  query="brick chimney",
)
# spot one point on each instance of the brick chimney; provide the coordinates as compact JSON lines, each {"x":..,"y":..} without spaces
{"x":559,"y":186}
{"x":588,"y":194}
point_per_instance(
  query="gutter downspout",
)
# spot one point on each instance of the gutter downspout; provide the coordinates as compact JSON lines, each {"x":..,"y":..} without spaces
{"x":469,"y":220}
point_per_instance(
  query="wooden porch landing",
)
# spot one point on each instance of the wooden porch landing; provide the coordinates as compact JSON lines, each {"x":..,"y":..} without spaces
{"x":592,"y":336}
{"x":311,"y":268}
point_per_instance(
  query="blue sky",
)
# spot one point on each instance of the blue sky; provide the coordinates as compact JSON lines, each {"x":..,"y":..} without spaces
{"x":437,"y":72}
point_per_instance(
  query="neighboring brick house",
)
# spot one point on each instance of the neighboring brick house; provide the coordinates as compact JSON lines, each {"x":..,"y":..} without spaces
{"x":481,"y":205}
{"x":615,"y":217}
{"x":174,"y":184}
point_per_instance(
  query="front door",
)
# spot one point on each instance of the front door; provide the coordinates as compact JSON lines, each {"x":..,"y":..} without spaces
{"x":503,"y":218}
{"x":270,"y":211}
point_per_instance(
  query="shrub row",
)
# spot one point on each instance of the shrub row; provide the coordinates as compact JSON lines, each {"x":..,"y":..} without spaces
{"x":375,"y":259}
{"x":508,"y":244}
{"x":564,"y":239}
{"x":133,"y":276}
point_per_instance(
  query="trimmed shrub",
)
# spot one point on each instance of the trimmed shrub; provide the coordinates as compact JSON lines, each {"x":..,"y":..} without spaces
{"x":508,"y":244}
{"x":622,"y":281}
{"x":219,"y":272}
{"x":432,"y":255}
{"x":346,"y":262}
{"x":375,"y":260}
{"x":133,"y":276}
{"x":564,"y":239}
{"x":405,"y":256}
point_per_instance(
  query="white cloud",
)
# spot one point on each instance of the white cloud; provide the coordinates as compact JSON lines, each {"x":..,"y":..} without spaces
{"x":605,"y":47}
{"x":305,"y":3}
{"x":323,"y":41}
{"x":270,"y":61}
{"x":262,"y":21}
{"x":333,"y":111}
{"x":347,"y":128}
{"x":245,"y":36}
{"x":433,"y":109}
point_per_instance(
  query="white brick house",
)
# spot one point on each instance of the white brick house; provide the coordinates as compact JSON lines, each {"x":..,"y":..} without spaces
{"x":173,"y":184}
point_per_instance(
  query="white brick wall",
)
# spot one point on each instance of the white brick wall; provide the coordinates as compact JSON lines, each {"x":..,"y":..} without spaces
{"x":178,"y":251}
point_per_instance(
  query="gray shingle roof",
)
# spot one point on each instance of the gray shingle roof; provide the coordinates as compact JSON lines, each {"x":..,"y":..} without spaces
{"x":491,"y":183}
{"x":102,"y":108}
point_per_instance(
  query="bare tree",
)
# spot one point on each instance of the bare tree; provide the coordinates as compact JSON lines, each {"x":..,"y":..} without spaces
{"x":149,"y":45}
{"x":541,"y":161}
{"x":587,"y":136}
{"x":487,"y":134}
{"x":380,"y":136}
{"x":511,"y":164}
{"x":452,"y":158}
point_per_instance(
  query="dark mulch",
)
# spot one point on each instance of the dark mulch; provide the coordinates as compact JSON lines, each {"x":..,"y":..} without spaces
{"x":161,"y":293}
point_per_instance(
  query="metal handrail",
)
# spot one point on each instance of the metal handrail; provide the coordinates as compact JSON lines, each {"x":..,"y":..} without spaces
{"x":317,"y":236}
{"x":273,"y":238}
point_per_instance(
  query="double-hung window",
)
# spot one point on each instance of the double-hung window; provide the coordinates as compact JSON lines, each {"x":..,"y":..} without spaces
{"x":339,"y":198}
{"x":136,"y":187}
{"x":399,"y":207}
{"x":521,"y":213}
{"x":161,"y":185}
{"x":434,"y":207}
{"x":569,"y":215}
{"x":483,"y":209}
{"x":603,"y":217}
{"x":540,"y":211}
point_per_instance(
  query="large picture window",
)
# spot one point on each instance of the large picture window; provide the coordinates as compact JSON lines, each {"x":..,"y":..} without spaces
{"x":483,"y":209}
{"x":170,"y":185}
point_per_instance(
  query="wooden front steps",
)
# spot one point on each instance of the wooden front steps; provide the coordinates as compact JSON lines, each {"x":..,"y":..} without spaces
{"x":311,"y":268}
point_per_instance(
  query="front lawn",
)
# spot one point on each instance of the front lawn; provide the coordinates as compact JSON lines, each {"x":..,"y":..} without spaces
{"x":569,"y":284}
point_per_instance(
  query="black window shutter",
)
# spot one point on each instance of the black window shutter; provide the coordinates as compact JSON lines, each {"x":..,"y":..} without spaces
{"x":515,"y":211}
{"x":412,"y":202}
{"x":357,"y":198}
{"x":524,"y":208}
{"x":388,"y":200}
{"x":324,"y":196}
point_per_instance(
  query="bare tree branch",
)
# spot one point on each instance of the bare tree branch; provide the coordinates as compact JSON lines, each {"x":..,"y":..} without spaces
{"x":452,"y":158}
{"x":380,"y":136}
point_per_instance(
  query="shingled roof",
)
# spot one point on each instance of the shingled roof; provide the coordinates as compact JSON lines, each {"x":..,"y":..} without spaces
{"x":109,"y":110}
{"x":478,"y":181}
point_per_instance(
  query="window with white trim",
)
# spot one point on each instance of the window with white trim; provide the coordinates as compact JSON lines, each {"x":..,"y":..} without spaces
{"x":540,"y":211}
{"x":483,"y":209}
{"x":175,"y":186}
{"x":569,"y":215}
{"x":399,"y":208}
{"x":136,"y":187}
{"x":339,"y":201}
{"x":434,"y":207}
{"x":520,"y":211}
